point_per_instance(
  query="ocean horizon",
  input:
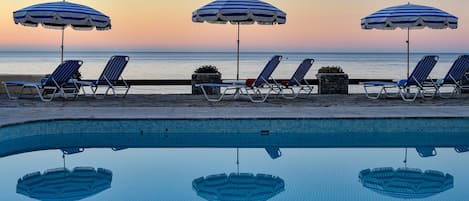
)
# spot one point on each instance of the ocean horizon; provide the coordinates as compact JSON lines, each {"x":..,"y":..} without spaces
{"x":180,"y":65}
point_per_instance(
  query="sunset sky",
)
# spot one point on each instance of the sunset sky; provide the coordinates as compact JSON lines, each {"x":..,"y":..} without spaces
{"x":312,"y":25}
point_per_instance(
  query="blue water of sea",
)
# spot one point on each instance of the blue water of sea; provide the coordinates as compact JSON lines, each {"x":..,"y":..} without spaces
{"x":180,"y":65}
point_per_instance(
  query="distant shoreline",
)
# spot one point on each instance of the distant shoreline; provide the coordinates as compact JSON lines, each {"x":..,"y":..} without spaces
{"x":222,"y":52}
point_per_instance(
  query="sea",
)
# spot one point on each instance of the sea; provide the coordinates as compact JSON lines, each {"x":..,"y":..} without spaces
{"x":180,"y":65}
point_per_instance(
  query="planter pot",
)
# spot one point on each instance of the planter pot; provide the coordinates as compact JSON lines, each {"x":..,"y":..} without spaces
{"x":332,"y":83}
{"x":199,"y":78}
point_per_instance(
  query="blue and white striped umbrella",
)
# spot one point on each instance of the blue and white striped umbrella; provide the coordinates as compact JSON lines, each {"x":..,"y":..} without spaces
{"x":239,"y":12}
{"x":409,"y":16}
{"x":59,"y":15}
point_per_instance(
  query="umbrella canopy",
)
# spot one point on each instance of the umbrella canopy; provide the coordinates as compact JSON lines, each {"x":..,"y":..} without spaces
{"x":406,"y":183}
{"x":59,"y":15}
{"x":238,"y":186}
{"x":409,"y":16}
{"x":63,"y":184}
{"x":239,"y":12}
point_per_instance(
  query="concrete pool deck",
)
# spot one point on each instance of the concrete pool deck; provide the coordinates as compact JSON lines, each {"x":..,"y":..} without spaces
{"x":196,"y":107}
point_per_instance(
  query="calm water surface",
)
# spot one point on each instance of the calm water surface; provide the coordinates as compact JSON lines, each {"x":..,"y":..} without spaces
{"x":261,"y":170}
{"x":308,"y":174}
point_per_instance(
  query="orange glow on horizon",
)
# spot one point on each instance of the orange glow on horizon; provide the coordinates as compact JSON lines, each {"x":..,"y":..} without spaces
{"x":312,"y":25}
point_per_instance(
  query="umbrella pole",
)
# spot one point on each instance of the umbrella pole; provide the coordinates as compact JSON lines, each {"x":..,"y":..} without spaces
{"x":405,"y":157}
{"x":62,"y":47}
{"x":63,"y":158}
{"x":237,"y":159}
{"x":408,"y":51}
{"x":237,"y":63}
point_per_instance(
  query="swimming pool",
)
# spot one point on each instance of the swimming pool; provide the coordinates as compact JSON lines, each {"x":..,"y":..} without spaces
{"x":244,"y":133}
{"x":318,"y":159}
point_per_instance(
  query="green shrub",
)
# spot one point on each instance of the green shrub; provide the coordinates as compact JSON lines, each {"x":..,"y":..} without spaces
{"x":206,"y":69}
{"x":330,"y":69}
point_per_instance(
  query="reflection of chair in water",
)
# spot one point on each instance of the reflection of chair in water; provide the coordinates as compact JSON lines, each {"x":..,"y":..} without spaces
{"x":238,"y":186}
{"x":71,"y":151}
{"x":274,"y":152}
{"x":426,"y":151}
{"x":406,"y":183}
{"x":461,"y":149}
{"x":63,"y":184}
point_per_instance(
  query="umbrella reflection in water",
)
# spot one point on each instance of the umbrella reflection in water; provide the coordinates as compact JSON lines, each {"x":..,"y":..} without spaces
{"x":238,"y":186}
{"x":63,"y":184}
{"x":406,"y":183}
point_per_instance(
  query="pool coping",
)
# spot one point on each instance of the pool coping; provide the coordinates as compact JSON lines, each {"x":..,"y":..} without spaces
{"x":18,"y":115}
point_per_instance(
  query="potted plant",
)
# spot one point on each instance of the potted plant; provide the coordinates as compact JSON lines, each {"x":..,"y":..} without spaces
{"x":206,"y":74}
{"x":332,"y":80}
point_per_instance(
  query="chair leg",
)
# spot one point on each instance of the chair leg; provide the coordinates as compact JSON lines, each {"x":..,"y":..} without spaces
{"x":262,"y":98}
{"x":293,"y":96}
{"x":42,"y":97}
{"x":126,"y":91}
{"x":22,"y":92}
{"x":7,"y":91}
{"x":218,"y":99}
{"x":369,"y":95}
{"x":404,"y":95}
{"x":456,"y":91}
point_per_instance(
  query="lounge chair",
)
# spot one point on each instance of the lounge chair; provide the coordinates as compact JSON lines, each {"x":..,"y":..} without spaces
{"x":55,"y":84}
{"x":109,"y":78}
{"x":274,"y":152}
{"x":254,"y":89}
{"x":425,"y":152}
{"x":297,"y":81}
{"x":454,"y":78}
{"x":409,"y":89}
{"x":461,"y":149}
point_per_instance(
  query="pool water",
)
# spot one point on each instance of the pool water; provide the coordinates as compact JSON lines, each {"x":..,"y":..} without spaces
{"x":168,"y":174}
{"x":306,"y":160}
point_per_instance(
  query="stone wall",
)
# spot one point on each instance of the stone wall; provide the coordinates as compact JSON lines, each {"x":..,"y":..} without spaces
{"x":332,"y":83}
{"x":199,"y":78}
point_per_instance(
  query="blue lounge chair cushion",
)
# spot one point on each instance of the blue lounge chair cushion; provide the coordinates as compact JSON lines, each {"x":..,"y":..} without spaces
{"x":222,"y":85}
{"x":22,"y":83}
{"x":400,"y":83}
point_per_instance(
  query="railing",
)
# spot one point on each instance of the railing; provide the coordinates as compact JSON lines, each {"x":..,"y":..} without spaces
{"x":181,"y":82}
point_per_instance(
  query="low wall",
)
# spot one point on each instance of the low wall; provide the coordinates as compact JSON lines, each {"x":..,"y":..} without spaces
{"x":12,"y":77}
